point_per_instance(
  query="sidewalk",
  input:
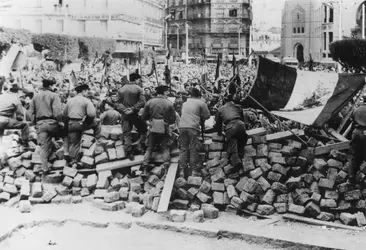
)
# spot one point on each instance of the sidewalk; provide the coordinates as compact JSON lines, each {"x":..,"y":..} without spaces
{"x":280,"y":234}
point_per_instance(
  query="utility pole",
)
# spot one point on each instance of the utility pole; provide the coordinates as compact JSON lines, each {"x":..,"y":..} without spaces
{"x":363,"y":21}
{"x":178,"y":27}
{"x":186,"y":10}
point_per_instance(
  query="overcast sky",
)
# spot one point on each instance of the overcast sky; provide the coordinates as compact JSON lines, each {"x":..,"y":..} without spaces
{"x":267,"y":12}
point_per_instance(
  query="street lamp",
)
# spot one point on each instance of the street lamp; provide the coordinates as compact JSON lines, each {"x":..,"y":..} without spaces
{"x":239,"y":31}
{"x":166,"y":29}
{"x":178,"y":27}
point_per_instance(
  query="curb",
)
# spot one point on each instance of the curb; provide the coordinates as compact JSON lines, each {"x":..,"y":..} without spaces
{"x":218,"y":234}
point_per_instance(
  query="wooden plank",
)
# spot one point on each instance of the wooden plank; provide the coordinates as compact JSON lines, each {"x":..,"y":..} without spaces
{"x":327,"y":148}
{"x":337,"y":135}
{"x":284,"y":135}
{"x":256,"y":131}
{"x":120,"y":164}
{"x":349,"y":128}
{"x":168,"y":188}
{"x":319,"y":222}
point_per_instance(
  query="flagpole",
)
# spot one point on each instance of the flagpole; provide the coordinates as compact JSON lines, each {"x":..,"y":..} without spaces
{"x":156,"y":74}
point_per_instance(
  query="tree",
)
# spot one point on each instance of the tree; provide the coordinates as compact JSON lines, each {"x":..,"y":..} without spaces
{"x":350,"y":53}
{"x":63,"y":48}
{"x":10,"y":36}
{"x":88,"y":46}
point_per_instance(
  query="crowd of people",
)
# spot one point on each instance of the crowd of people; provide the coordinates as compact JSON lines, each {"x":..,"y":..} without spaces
{"x":64,"y":104}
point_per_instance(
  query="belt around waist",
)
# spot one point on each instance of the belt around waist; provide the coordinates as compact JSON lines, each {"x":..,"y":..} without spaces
{"x":45,"y":118}
{"x":232,"y":120}
{"x":75,"y":119}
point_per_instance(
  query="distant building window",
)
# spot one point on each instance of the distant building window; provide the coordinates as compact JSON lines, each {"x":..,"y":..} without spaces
{"x":325,"y":40}
{"x":298,"y":29}
{"x":60,"y":2}
{"x":82,"y":26}
{"x":325,"y":14}
{"x":331,"y":15}
{"x":294,"y":30}
{"x":60,"y":25}
{"x":302,"y":30}
{"x":330,"y":37}
{"x":233,"y":13}
{"x":324,"y":55}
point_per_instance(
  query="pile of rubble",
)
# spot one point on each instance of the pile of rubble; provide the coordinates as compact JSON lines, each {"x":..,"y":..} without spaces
{"x":278,"y":176}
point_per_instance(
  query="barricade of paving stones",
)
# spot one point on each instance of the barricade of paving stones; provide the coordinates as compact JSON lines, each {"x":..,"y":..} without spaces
{"x":277,"y":177}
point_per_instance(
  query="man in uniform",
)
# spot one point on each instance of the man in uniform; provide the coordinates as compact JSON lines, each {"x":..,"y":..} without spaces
{"x":160,"y":112}
{"x":45,"y":109}
{"x":231,"y":115}
{"x":130,"y":99}
{"x":194,"y":112}
{"x":358,"y":142}
{"x":110,"y":116}
{"x":12,"y":114}
{"x":79,"y":115}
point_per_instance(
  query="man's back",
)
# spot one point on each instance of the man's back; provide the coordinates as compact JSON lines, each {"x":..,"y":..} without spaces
{"x":46,"y":104}
{"x":129,"y":95}
{"x":78,"y":107}
{"x":110,"y":117}
{"x":193,"y":111}
{"x":160,"y":108}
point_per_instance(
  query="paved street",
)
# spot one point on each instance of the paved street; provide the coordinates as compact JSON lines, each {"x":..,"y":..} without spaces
{"x":72,"y":235}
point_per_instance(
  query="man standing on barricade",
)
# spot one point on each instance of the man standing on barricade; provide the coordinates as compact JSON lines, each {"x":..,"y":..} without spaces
{"x":194,"y":112}
{"x":358,"y":142}
{"x":45,"y":109}
{"x":79,"y":115}
{"x":12,"y":114}
{"x":130,"y":99}
{"x":231,"y":115}
{"x":160,"y":112}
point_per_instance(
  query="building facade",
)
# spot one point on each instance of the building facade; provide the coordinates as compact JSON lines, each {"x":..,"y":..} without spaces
{"x":309,"y":26}
{"x":133,"y":24}
{"x":214,"y":26}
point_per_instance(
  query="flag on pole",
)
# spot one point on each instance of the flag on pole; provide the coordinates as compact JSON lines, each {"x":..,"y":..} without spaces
{"x":217,"y":85}
{"x":310,"y":98}
{"x":204,"y":70}
{"x":138,"y":70}
{"x":234,"y":64}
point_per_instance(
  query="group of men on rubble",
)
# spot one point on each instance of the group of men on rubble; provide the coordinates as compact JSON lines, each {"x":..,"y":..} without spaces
{"x":153,"y":120}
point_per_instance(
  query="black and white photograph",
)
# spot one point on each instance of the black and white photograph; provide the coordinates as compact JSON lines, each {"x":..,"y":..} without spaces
{"x":182,"y":124}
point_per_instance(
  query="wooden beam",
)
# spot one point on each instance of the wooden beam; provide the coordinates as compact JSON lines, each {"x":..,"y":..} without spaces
{"x":120,"y":164}
{"x":168,"y":188}
{"x":319,"y":222}
{"x":327,"y":148}
{"x":337,"y":135}
{"x":284,"y":135}
{"x":256,"y":131}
